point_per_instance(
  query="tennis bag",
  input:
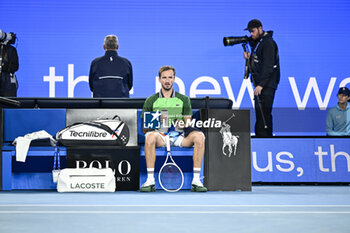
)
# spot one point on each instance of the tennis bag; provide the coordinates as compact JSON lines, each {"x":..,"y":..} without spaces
{"x":109,"y":132}
{"x":86,"y":180}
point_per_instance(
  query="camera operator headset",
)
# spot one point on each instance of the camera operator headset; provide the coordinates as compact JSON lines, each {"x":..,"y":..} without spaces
{"x":8,"y":65}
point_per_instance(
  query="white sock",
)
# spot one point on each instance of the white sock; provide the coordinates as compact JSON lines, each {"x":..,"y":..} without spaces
{"x":150,"y":174}
{"x":196,"y":173}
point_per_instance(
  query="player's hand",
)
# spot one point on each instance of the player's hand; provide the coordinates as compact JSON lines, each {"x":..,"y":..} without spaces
{"x":180,"y":124}
{"x":246,"y":55}
{"x":257,"y":90}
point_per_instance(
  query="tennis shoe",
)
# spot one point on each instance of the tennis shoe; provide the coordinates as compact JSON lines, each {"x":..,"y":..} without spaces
{"x":148,"y":186}
{"x":198,"y":187}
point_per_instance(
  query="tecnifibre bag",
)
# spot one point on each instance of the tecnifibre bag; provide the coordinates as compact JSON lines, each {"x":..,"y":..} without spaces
{"x":100,"y":132}
{"x":86,"y":180}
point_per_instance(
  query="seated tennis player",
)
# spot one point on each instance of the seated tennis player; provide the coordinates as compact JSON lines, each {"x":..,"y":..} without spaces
{"x":175,"y":108}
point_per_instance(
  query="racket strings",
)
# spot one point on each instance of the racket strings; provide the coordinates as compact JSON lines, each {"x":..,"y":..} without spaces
{"x":170,"y":177}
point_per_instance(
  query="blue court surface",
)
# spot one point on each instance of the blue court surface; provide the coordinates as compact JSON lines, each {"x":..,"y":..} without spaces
{"x":265,"y":209}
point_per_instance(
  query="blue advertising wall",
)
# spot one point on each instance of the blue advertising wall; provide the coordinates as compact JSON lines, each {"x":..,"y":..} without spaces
{"x":57,"y":40}
{"x":301,"y":160}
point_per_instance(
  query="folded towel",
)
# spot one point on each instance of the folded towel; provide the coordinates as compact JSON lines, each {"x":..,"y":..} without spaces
{"x":23,"y":143}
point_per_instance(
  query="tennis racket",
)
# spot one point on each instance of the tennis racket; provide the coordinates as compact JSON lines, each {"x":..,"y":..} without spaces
{"x":171,"y":178}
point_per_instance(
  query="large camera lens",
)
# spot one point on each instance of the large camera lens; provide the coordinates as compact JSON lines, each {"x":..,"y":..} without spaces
{"x":4,"y":36}
{"x":235,"y":40}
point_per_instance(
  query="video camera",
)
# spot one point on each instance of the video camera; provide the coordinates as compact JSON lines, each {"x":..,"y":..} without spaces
{"x":236,"y":40}
{"x":7,"y":38}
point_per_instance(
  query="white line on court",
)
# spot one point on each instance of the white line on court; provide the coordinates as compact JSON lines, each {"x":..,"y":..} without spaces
{"x":228,"y":206}
{"x":174,"y":212}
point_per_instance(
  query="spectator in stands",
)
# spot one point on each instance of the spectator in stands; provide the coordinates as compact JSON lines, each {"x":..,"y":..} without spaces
{"x":338,"y":117}
{"x":178,"y":107}
{"x":111,"y":75}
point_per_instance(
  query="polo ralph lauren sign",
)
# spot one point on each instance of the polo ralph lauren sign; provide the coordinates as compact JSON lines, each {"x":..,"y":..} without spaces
{"x":124,"y":161}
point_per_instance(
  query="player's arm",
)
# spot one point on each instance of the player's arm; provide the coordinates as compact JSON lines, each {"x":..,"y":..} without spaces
{"x":187,"y":120}
{"x":147,"y":107}
{"x":187,"y":112}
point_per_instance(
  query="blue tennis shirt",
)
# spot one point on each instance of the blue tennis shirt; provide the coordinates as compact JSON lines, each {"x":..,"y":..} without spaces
{"x":338,"y":121}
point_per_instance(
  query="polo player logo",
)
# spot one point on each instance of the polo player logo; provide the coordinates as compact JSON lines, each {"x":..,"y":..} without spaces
{"x":228,"y":140}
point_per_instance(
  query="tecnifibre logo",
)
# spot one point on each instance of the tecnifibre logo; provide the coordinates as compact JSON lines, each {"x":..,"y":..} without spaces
{"x":88,"y":134}
{"x":156,"y":120}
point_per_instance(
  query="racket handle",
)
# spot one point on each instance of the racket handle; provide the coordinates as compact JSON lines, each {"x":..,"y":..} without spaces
{"x":167,"y":142}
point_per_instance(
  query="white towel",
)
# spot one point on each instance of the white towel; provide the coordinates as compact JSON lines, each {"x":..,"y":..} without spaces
{"x":23,"y":143}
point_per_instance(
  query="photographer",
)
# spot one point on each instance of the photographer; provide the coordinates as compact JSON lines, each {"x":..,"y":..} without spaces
{"x":265,"y":71}
{"x":9,"y":65}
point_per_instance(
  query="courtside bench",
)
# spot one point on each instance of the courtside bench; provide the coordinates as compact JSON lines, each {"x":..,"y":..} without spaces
{"x":49,"y":114}
{"x":35,"y":173}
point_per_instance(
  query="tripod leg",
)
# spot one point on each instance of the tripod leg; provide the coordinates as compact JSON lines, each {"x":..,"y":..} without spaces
{"x":261,"y":111}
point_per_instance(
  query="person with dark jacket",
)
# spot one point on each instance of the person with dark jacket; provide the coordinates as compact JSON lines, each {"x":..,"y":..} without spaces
{"x":8,"y":82}
{"x":111,"y":75}
{"x":265,"y":75}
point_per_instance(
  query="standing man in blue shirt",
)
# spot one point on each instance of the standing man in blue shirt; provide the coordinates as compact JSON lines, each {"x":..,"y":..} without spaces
{"x":111,"y":75}
{"x":338,"y":117}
